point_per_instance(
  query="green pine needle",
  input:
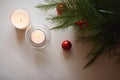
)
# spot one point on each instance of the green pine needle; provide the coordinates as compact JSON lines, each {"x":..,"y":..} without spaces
{"x":46,"y":7}
{"x":103,"y":19}
{"x":92,"y":56}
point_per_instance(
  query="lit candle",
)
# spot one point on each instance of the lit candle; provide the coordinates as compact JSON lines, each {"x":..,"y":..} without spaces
{"x":20,"y":19}
{"x":38,"y":36}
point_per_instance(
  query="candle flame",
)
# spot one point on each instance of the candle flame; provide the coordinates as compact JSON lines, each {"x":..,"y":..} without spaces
{"x":20,"y":20}
{"x":38,"y":35}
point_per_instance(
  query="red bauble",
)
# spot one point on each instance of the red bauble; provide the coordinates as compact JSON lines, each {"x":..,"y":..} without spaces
{"x":60,"y":8}
{"x":58,"y":11}
{"x":66,"y":45}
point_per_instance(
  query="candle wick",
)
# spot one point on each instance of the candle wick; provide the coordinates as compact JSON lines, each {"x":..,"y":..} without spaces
{"x":20,"y":20}
{"x":38,"y":36}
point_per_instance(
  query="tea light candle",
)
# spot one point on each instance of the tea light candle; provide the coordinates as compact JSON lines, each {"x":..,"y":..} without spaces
{"x":38,"y":36}
{"x":20,"y":19}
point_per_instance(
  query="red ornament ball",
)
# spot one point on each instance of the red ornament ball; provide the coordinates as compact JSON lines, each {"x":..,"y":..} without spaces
{"x":60,"y":8}
{"x":66,"y":45}
{"x":58,"y":11}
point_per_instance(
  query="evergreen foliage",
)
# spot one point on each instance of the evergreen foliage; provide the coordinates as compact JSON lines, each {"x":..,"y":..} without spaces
{"x":103,"y":18}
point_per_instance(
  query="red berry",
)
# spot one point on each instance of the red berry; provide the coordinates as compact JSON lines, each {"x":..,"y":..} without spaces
{"x":85,"y":23}
{"x":80,"y":26}
{"x":79,"y":23}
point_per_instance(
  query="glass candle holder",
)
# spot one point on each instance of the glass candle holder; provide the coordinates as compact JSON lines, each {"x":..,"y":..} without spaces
{"x":37,"y":36}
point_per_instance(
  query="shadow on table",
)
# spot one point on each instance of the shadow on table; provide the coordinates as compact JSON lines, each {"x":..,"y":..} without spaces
{"x":20,"y":35}
{"x":67,"y":54}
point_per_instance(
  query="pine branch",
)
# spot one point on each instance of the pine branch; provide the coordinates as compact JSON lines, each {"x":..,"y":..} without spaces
{"x":102,"y":16}
{"x":61,"y":26}
{"x":46,"y":7}
{"x":91,"y":61}
{"x":93,"y":55}
{"x":63,"y":21}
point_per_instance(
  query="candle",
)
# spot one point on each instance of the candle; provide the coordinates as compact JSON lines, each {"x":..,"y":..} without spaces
{"x":20,"y":19}
{"x":38,"y":36}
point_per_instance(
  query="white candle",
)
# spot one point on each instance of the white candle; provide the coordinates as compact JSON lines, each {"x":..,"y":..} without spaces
{"x":38,"y":36}
{"x":20,"y":19}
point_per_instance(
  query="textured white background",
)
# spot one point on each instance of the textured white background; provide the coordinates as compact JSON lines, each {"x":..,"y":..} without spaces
{"x":18,"y":61}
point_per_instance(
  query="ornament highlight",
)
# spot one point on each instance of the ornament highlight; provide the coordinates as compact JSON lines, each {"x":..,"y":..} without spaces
{"x":66,"y":45}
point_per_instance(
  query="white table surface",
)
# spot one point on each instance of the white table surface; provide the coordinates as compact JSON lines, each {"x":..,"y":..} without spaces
{"x":18,"y":61}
